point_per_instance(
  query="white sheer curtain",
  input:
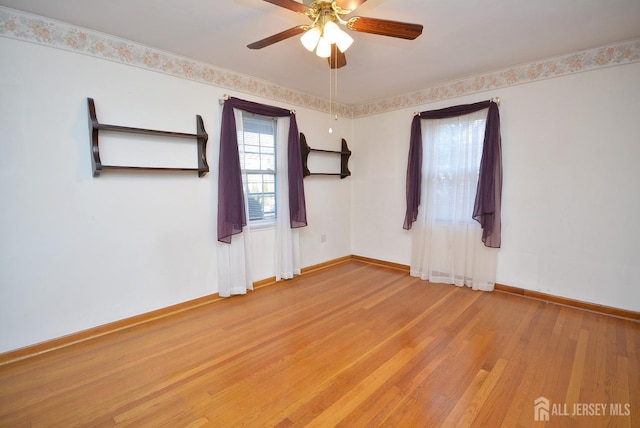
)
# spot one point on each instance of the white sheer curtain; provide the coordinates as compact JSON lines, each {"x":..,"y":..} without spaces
{"x":447,"y":243}
{"x":287,"y":245}
{"x":234,"y":259}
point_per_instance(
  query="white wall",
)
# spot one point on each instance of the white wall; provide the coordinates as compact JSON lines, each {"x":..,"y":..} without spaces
{"x":78,"y":251}
{"x":571,"y":155}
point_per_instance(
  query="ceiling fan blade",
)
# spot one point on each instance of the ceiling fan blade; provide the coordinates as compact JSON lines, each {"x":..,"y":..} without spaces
{"x":278,"y":37}
{"x":384,"y":27}
{"x":349,"y":4}
{"x":337,"y":58}
{"x":290,"y":4}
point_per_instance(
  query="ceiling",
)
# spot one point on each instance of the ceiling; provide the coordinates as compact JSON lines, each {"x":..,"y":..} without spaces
{"x":461,"y":38}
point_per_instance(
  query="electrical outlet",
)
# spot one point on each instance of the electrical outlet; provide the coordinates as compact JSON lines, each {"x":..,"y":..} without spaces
{"x":323,"y":237}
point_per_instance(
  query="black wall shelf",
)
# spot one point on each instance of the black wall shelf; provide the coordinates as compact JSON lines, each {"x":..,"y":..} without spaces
{"x":344,"y":153}
{"x":201,"y":137}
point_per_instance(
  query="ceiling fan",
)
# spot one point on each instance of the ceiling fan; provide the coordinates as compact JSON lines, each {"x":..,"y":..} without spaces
{"x":325,"y":35}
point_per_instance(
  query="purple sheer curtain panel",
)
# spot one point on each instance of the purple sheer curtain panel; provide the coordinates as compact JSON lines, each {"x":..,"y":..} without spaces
{"x":414,"y":173}
{"x":297,"y":204}
{"x":487,"y":205}
{"x":231,"y":209}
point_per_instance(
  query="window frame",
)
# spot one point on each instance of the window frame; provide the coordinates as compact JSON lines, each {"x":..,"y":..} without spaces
{"x":259,"y":122}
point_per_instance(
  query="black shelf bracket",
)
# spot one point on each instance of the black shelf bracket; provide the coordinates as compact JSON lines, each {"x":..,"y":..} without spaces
{"x":344,"y":153}
{"x":201,"y":137}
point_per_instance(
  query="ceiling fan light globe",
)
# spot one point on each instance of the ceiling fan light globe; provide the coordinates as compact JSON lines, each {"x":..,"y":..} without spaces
{"x":344,"y":41}
{"x":310,"y":39}
{"x":324,"y":48}
{"x":330,"y":32}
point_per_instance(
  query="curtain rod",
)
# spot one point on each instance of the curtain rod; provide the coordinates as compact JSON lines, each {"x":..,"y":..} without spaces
{"x":225,"y":97}
{"x":415,"y":113}
{"x":494,"y":100}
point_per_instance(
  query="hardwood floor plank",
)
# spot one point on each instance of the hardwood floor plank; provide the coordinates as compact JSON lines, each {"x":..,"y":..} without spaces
{"x":479,"y":399}
{"x":560,"y":356}
{"x":303,"y":410}
{"x":577,"y":369}
{"x":465,"y":402}
{"x":339,"y":409}
{"x":540,"y":355}
{"x":517,"y":344}
{"x":633,"y":367}
{"x":621,"y":393}
{"x":525,"y":375}
{"x":404,"y":394}
{"x":351,"y":345}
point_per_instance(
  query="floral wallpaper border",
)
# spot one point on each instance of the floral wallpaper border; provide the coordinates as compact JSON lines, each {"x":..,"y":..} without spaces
{"x":607,"y":56}
{"x":36,"y":29}
{"x":28,"y":27}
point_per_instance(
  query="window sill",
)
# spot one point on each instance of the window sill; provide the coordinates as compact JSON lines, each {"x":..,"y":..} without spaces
{"x":262,"y":224}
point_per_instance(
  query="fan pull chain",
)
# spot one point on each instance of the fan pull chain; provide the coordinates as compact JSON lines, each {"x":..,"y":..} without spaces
{"x":330,"y":101}
{"x":336,"y":79}
{"x":333,"y":116}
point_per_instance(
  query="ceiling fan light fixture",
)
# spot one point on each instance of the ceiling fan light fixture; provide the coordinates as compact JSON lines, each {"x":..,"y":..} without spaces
{"x":328,"y":17}
{"x":344,"y":41}
{"x":324,"y":48}
{"x":331,"y":32}
{"x":310,"y":38}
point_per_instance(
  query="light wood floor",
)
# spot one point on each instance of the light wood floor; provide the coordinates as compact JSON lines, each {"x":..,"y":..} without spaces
{"x":353,"y":345}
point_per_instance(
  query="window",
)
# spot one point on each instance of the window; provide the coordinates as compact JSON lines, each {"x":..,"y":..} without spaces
{"x":257,"y":150}
{"x":456,"y":153}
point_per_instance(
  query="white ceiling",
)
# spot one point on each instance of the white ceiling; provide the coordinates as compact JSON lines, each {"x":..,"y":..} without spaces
{"x":461,"y":38}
